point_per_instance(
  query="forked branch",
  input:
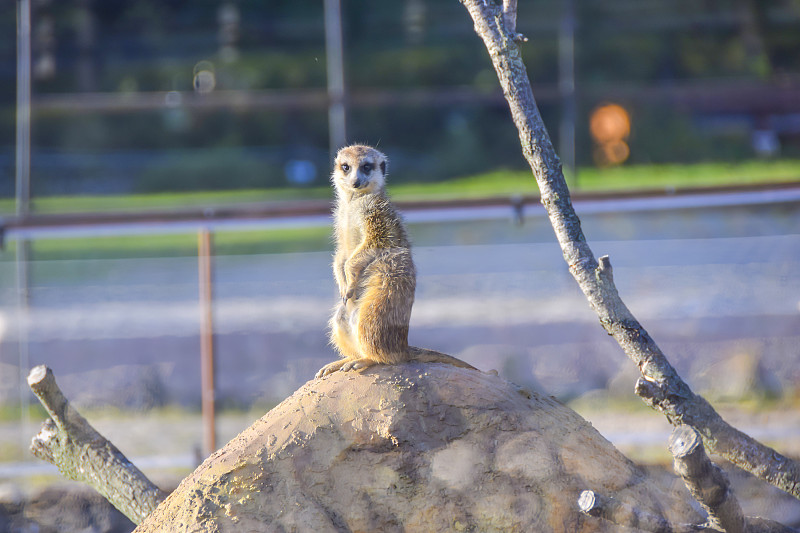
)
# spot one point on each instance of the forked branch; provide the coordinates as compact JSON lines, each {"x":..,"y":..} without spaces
{"x":68,"y":441}
{"x":660,"y":386}
{"x":510,"y":18}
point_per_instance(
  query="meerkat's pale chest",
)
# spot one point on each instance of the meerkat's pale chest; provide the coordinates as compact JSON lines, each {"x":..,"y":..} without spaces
{"x":351,"y":229}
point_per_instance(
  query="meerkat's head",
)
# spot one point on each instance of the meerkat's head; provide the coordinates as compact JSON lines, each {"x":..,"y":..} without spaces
{"x":359,"y":169}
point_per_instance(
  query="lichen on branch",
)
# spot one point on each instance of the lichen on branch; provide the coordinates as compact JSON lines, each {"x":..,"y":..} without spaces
{"x":68,"y":441}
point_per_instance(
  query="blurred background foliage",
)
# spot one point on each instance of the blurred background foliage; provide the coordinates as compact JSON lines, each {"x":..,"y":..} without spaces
{"x":119,"y":105}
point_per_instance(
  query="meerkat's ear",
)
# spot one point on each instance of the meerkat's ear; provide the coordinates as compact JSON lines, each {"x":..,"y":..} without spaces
{"x":383,"y":167}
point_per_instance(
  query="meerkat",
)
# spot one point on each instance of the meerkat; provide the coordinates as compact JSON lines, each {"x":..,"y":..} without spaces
{"x":373,"y":269}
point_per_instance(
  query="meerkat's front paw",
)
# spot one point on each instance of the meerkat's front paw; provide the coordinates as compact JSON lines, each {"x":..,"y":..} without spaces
{"x":330,"y":368}
{"x":357,"y":364}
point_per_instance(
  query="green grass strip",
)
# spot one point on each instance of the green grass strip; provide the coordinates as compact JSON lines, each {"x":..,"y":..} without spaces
{"x":495,"y":183}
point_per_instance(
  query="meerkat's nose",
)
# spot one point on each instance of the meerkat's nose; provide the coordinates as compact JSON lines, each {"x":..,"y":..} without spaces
{"x":361,"y":179}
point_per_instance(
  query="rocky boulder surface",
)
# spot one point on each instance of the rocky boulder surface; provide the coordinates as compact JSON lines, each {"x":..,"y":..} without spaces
{"x":412,"y":448}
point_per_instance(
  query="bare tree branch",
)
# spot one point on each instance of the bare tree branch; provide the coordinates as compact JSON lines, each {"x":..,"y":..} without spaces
{"x":68,"y":441}
{"x":510,"y":18}
{"x":622,"y":514}
{"x":661,"y":385}
{"x":706,"y":481}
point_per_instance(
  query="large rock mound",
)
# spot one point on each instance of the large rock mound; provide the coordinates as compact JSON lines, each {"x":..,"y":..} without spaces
{"x":411,"y":448}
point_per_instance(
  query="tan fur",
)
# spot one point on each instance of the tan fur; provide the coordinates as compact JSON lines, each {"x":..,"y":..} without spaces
{"x":373,"y":269}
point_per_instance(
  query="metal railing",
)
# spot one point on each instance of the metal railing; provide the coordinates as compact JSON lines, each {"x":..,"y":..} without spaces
{"x":204,"y":222}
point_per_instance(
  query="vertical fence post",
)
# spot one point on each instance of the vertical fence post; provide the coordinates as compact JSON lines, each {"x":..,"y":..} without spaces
{"x":22,"y":173}
{"x":22,"y":261}
{"x":566,"y":88}
{"x":337,"y":119}
{"x":204,"y":254}
{"x":22,"y":193}
{"x":23,"y":147}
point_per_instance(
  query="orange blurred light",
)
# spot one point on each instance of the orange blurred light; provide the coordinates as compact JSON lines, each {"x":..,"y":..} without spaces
{"x":610,"y":154}
{"x":610,"y":125}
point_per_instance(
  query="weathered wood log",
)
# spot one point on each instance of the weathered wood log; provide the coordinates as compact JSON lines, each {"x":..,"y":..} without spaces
{"x":413,"y":447}
{"x":69,"y":442}
{"x":663,"y":388}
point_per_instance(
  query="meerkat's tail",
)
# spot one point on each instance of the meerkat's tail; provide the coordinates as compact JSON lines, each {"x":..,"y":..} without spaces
{"x":424,"y":355}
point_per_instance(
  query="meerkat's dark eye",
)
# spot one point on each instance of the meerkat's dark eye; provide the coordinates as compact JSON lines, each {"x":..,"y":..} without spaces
{"x":366,"y":167}
{"x":345,"y":167}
